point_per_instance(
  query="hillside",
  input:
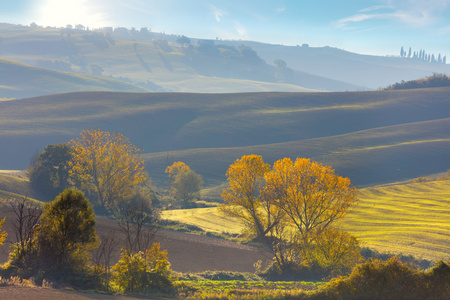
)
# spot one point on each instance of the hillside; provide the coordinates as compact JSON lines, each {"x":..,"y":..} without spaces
{"x":368,"y":71}
{"x":20,"y":81}
{"x":411,"y":219}
{"x":156,"y":61}
{"x":371,"y":137}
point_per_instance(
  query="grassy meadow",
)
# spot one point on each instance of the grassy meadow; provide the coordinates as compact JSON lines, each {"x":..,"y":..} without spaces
{"x":412,"y":219}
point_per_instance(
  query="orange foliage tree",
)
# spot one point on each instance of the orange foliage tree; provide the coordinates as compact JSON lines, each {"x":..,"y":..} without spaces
{"x":290,"y":207}
{"x":106,"y":165}
{"x":245,"y":198}
{"x":310,"y":194}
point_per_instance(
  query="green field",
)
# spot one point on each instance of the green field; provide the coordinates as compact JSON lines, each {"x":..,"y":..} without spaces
{"x":412,"y":219}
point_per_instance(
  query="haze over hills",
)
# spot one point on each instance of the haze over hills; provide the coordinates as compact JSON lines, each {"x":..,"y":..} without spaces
{"x":168,"y":63}
{"x":20,"y":81}
{"x":371,"y":137}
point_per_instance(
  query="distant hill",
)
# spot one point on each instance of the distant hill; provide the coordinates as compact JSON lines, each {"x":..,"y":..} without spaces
{"x":18,"y":80}
{"x":371,"y":137}
{"x":369,"y":71}
{"x":156,"y":61}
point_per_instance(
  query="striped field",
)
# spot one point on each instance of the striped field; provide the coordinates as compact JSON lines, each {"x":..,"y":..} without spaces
{"x":412,"y":219}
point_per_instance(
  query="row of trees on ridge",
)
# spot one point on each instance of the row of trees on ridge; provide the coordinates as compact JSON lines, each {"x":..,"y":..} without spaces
{"x":422,"y":55}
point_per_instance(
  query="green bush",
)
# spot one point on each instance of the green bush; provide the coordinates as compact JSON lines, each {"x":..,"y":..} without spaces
{"x":137,"y":273}
{"x":59,"y":248}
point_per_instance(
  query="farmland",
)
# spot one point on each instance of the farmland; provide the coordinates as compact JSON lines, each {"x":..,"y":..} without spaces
{"x":411,"y":219}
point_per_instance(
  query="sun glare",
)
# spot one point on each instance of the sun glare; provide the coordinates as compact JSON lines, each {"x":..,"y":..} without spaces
{"x":61,"y":13}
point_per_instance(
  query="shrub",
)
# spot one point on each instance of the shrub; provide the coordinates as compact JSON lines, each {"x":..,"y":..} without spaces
{"x":143,"y":272}
{"x":391,"y":279}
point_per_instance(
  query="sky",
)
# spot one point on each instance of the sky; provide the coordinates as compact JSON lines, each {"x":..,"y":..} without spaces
{"x":377,"y":27}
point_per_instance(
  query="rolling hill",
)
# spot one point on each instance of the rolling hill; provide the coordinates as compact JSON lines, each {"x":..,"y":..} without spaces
{"x":371,"y":137}
{"x":158,"y":62}
{"x":155,"y":61}
{"x":18,"y":80}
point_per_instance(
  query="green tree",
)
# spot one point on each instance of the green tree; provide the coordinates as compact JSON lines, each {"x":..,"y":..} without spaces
{"x":49,"y":172}
{"x":186,"y":184}
{"x":66,"y":232}
{"x":107,"y":166}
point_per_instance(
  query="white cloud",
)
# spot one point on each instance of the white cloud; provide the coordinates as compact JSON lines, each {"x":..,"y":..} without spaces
{"x":241,"y":30}
{"x":416,"y":13}
{"x":218,"y":13}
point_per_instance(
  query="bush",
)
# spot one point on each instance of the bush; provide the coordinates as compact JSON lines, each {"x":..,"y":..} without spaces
{"x":410,"y":260}
{"x":141,"y":272}
{"x":391,"y":279}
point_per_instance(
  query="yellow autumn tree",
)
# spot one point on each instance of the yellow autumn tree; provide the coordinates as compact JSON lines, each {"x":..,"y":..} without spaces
{"x":313,"y":198}
{"x":106,"y":165}
{"x":291,"y":208}
{"x":245,"y":198}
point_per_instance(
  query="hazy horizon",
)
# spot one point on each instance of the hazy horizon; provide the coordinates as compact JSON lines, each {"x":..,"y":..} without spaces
{"x":377,"y":27}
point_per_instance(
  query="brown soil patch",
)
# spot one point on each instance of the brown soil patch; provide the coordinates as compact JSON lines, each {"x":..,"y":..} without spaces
{"x":186,"y":252}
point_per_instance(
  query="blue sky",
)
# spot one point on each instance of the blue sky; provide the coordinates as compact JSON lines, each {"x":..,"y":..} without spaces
{"x":377,"y":27}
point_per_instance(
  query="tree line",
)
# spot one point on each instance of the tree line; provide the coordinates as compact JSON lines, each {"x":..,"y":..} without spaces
{"x":436,"y":80}
{"x":423,"y":55}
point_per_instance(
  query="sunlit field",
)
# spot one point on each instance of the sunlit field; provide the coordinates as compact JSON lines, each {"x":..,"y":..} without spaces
{"x":412,"y":219}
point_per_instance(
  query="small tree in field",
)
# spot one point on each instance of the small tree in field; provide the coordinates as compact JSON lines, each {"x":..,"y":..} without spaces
{"x":186,"y":184}
{"x":137,"y":220}
{"x":24,"y":224}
